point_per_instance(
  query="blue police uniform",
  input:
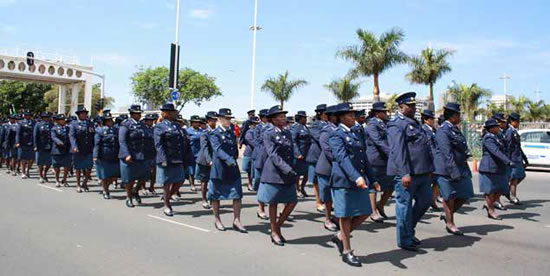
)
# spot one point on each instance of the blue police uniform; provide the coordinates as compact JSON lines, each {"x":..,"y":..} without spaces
{"x":9,"y":140}
{"x":493,"y":165}
{"x":43,"y":142}
{"x":453,"y":174}
{"x":323,"y":168}
{"x":171,"y":152}
{"x":106,"y":149}
{"x":513,"y":143}
{"x":349,"y":164}
{"x":204,"y":160}
{"x":82,"y":133}
{"x":23,"y":137}
{"x":149,"y":148}
{"x":131,"y":138}
{"x":248,"y":141}
{"x":278,"y":178}
{"x":315,"y":149}
{"x":378,"y":152}
{"x":61,"y":146}
{"x":302,"y":142}
{"x":409,"y":156}
{"x":2,"y":150}
{"x":195,"y":144}
{"x":225,"y":177}
{"x":259,"y":154}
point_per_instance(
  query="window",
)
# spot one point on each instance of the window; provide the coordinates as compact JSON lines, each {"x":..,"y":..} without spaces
{"x":536,"y":137}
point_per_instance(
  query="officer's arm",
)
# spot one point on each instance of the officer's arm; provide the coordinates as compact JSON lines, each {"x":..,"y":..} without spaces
{"x":249,"y":139}
{"x":17,"y":133}
{"x":399,"y":147}
{"x":445,"y":147}
{"x":122,"y":136}
{"x":54,"y":137}
{"x":492,"y":147}
{"x":325,"y":147}
{"x":294,"y":132}
{"x":157,"y":137}
{"x":215,"y":141}
{"x":35,"y":136}
{"x":373,"y":131}
{"x":97,"y":142}
{"x":340,"y":154}
{"x":523,"y":156}
{"x":272,"y":150}
{"x":72,"y":136}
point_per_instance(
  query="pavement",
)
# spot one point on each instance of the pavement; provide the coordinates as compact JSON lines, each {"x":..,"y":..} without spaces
{"x":50,"y":231}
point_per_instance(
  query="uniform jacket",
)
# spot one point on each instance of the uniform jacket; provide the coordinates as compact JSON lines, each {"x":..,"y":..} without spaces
{"x":205,"y":154}
{"x":106,"y":144}
{"x":242,"y":134}
{"x":150,"y":151}
{"x":376,"y":137}
{"x":195,"y":140}
{"x":9,"y":135}
{"x":513,"y":145}
{"x":315,"y":148}
{"x":82,"y":135}
{"x":171,"y":143}
{"x":224,"y":154}
{"x":324,"y":164}
{"x":61,"y":141}
{"x":42,"y":136}
{"x":410,"y":152}
{"x":131,"y":137}
{"x":494,"y":159}
{"x":278,"y":167}
{"x":359,"y":130}
{"x":249,"y":140}
{"x":23,"y":134}
{"x":301,"y":138}
{"x":451,"y":153}
{"x":261,"y":153}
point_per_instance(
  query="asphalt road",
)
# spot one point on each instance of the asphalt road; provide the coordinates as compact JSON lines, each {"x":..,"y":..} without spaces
{"x":49,"y":231}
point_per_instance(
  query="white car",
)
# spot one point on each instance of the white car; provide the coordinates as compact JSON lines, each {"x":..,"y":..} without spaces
{"x":535,"y":143}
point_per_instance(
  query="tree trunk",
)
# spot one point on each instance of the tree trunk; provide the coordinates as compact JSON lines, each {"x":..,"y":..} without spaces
{"x":376,"y":91}
{"x":431,"y":105}
{"x":282,"y":105}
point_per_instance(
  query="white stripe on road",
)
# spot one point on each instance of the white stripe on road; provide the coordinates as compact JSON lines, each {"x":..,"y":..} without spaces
{"x":48,"y":187}
{"x":179,"y":223}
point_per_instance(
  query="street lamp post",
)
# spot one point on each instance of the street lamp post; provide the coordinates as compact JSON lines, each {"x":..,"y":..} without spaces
{"x":254,"y":28}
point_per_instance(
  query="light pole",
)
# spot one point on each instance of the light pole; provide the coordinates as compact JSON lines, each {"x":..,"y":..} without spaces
{"x":254,"y":28}
{"x":174,"y":62}
{"x":505,"y":79}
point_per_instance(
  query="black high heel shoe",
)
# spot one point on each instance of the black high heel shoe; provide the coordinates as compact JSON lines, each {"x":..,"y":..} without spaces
{"x":129,"y":203}
{"x":442,"y":217}
{"x":220,"y":228}
{"x":338,"y":242}
{"x":239,"y":229}
{"x":264,"y":217}
{"x":456,"y":232}
{"x":489,"y":214}
{"x":277,"y":243}
{"x":351,"y":259}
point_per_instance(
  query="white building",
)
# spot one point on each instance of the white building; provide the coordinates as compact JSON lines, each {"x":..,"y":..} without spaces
{"x":501,"y":100}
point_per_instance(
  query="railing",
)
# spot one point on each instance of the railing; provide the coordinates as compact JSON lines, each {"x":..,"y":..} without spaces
{"x":41,"y":54}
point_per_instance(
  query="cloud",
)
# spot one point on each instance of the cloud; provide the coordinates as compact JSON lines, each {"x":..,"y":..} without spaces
{"x":201,"y":13}
{"x":4,"y":3}
{"x":111,"y":59}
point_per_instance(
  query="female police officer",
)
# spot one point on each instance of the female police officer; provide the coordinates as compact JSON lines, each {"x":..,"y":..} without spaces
{"x":43,"y":145}
{"x":453,"y":174}
{"x":513,"y":142}
{"x":106,"y":147}
{"x":24,"y":143}
{"x":61,"y":155}
{"x":225,"y":177}
{"x":350,"y":177}
{"x":278,"y":178}
{"x":302,"y":142}
{"x":204,"y":159}
{"x":82,"y":134}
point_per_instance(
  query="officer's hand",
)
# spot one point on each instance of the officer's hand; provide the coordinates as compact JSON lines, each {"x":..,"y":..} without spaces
{"x":361,"y":183}
{"x":35,"y":149}
{"x":300,"y":157}
{"x":406,"y":181}
{"x":377,"y":187}
{"x":75,"y":150}
{"x":210,"y":164}
{"x":17,"y":145}
{"x":128,"y":159}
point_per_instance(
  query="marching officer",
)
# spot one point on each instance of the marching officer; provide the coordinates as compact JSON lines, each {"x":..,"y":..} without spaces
{"x":503,"y":127}
{"x":204,"y":159}
{"x":194,"y":133}
{"x":513,"y":142}
{"x":106,"y":149}
{"x":43,"y":145}
{"x":427,"y":119}
{"x":245,"y":127}
{"x":249,"y":143}
{"x":82,"y":134}
{"x":150,"y":151}
{"x":9,"y":144}
{"x":61,"y":149}
{"x":315,"y":150}
{"x":225,"y":177}
{"x":378,"y":152}
{"x":411,"y":164}
{"x":259,"y":155}
{"x":452,"y":171}
{"x":302,"y":142}
{"x":24,"y":143}
{"x":278,"y":176}
{"x":3,"y":123}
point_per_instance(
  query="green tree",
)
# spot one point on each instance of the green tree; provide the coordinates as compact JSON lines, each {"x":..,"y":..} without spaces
{"x":391,"y":105}
{"x":492,"y":108}
{"x":150,"y":85}
{"x":469,"y":97}
{"x":51,"y":97}
{"x":535,"y":111}
{"x":428,"y":67}
{"x":518,"y":105}
{"x":374,"y":55}
{"x":344,"y":89}
{"x":281,"y":88}
{"x":22,"y":95}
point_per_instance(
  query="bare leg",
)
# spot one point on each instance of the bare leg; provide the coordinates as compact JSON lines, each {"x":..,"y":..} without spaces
{"x":237,"y":213}
{"x":374,"y":216}
{"x":344,"y":234}
{"x":448,"y":208}
{"x":204,"y":190}
{"x":78,"y":181}
{"x":284,"y":215}
{"x":273,"y":222}
{"x":216,"y":210}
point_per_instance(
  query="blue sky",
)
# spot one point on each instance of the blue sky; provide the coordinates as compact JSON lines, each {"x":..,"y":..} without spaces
{"x":301,"y":36}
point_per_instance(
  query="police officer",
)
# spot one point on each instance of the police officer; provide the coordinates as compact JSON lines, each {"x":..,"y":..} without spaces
{"x":278,"y":175}
{"x":149,"y":150}
{"x":315,"y":150}
{"x":82,"y":134}
{"x":493,"y":168}
{"x":249,"y":143}
{"x":133,"y":166}
{"x":106,"y":149}
{"x":245,"y":127}
{"x":225,"y":177}
{"x":323,"y":168}
{"x":378,"y":152}
{"x":43,"y":145}
{"x":503,"y":126}
{"x":194,"y":133}
{"x":427,"y":119}
{"x":9,"y":144}
{"x":411,"y":164}
{"x":204,"y":159}
{"x":61,"y":149}
{"x":302,"y":142}
{"x":24,"y":143}
{"x":169,"y":142}
{"x":259,"y":156}
{"x":452,"y":172}
{"x":350,"y":179}
{"x":513,"y":143}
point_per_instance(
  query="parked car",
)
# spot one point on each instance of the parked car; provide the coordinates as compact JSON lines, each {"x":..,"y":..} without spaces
{"x":536,"y":145}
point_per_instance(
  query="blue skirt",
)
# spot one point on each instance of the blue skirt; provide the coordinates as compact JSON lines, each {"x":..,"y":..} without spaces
{"x":275,"y":193}
{"x":192,"y":170}
{"x":204,"y":173}
{"x":62,"y":161}
{"x":225,"y":189}
{"x":170,"y":174}
{"x":311,"y":175}
{"x":490,"y":183}
{"x":246,"y":164}
{"x":136,"y":170}
{"x":107,"y":169}
{"x":518,"y":172}
{"x":11,"y":153}
{"x":462,"y":189}
{"x":301,"y":167}
{"x":43,"y":158}
{"x":350,"y":202}
{"x":82,"y":161}
{"x":324,"y":188}
{"x":25,"y":153}
{"x":386,"y":182}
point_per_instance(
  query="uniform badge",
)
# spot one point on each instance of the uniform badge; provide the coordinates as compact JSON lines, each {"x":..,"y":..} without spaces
{"x":411,"y":127}
{"x":348,"y":139}
{"x":277,"y":137}
{"x":223,"y":137}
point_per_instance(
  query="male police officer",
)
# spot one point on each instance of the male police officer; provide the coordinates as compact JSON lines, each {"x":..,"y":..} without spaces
{"x":411,"y":165}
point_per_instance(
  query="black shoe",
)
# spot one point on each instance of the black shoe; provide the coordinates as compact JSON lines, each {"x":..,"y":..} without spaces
{"x":456,"y":232}
{"x":377,"y":220}
{"x":277,"y":243}
{"x":86,"y":189}
{"x":239,"y":229}
{"x":515,"y":201}
{"x":129,"y":203}
{"x":168,"y":212}
{"x":289,"y":218}
{"x":338,"y":242}
{"x":262,"y":217}
{"x":412,"y":248}
{"x":442,"y":217}
{"x":499,"y":206}
{"x":220,"y":228}
{"x":489,"y":214}
{"x":106,"y":196}
{"x":331,"y":228}
{"x":351,"y":259}
{"x":138,"y":198}
{"x":416,"y":241}
{"x":381,"y":212}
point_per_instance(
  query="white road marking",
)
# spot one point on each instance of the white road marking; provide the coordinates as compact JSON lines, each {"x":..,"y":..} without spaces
{"x":179,"y":223}
{"x":48,"y":187}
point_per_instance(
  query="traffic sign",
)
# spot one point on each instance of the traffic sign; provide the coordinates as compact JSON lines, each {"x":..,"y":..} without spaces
{"x":174,"y":95}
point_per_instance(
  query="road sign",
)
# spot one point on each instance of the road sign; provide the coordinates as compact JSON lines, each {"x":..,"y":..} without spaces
{"x":175,"y":95}
{"x":30,"y":58}
{"x":174,"y":65}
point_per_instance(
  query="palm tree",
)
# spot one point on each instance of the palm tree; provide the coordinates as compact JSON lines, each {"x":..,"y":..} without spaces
{"x":469,"y":98}
{"x":535,"y":111}
{"x":518,"y":105}
{"x":391,"y":105}
{"x":492,"y":108}
{"x":428,"y":67}
{"x":344,"y":89}
{"x":374,"y":55}
{"x":281,"y":88}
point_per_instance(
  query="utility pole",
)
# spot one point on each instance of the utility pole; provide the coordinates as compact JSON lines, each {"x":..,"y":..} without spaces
{"x":505,"y":79}
{"x":254,"y":28}
{"x":537,"y":92}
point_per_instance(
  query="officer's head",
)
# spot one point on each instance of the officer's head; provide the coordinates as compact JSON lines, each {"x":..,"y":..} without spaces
{"x":331,"y":116}
{"x":301,"y":117}
{"x":135,"y":112}
{"x":168,"y":112}
{"x":277,"y":116}
{"x":82,"y":114}
{"x":360,"y":116}
{"x":60,"y":120}
{"x":407,"y":103}
{"x":27,"y":115}
{"x":225,"y":116}
{"x":427,"y":117}
{"x":320,"y":112}
{"x":195,"y":121}
{"x":149,"y":120}
{"x":451,"y":113}
{"x":492,"y":126}
{"x":345,"y":114}
{"x":513,"y":119}
{"x":251,"y":113}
